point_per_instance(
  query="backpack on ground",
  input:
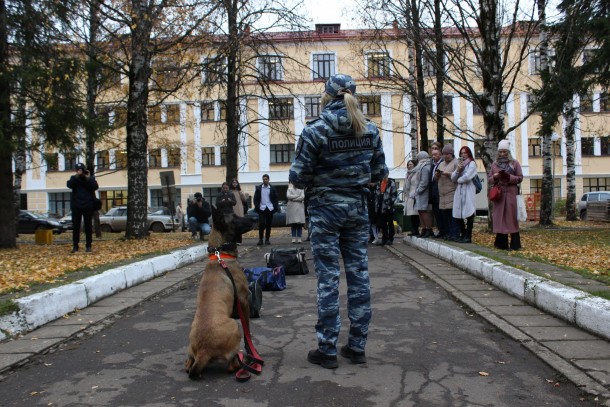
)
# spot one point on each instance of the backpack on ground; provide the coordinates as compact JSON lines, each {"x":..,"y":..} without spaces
{"x":291,"y":258}
{"x":271,"y":279}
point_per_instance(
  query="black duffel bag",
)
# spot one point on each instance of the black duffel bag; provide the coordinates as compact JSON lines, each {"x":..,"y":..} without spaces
{"x":291,"y":258}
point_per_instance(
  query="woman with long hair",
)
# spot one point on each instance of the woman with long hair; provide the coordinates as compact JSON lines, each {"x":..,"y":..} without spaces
{"x":421,"y":195}
{"x":464,"y":198}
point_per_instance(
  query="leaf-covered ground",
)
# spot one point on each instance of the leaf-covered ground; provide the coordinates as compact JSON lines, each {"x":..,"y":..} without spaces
{"x":581,"y":246}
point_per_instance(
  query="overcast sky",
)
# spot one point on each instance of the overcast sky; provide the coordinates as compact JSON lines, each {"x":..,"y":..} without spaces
{"x":331,"y":11}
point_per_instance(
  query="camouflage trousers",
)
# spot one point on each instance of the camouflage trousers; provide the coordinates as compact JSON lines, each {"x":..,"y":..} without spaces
{"x":341,"y":228}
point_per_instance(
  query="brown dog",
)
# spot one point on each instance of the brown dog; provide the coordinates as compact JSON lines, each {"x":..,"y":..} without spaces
{"x":215,"y":335}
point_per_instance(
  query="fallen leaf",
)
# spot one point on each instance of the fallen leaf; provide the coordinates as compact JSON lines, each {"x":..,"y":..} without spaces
{"x":483,"y":374}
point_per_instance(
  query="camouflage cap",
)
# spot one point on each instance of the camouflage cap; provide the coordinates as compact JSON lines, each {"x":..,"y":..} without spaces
{"x":340,"y":84}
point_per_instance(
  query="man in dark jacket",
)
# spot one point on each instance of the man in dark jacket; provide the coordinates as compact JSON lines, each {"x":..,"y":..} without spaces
{"x":82,"y":200}
{"x":198,"y":213}
{"x":265,"y":204}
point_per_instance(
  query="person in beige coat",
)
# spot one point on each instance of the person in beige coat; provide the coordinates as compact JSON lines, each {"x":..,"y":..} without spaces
{"x":240,"y":198}
{"x":410,"y":187}
{"x":295,"y":212}
{"x":446,"y":189}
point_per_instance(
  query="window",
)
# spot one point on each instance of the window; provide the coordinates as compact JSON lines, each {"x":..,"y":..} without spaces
{"x":173,"y":157}
{"x":270,"y":67}
{"x":120,"y":116}
{"x":103,"y":115}
{"x":323,"y":66}
{"x":172,"y":114}
{"x":282,"y":153}
{"x":207,"y":156}
{"x":378,"y":65}
{"x":113,"y":198}
{"x":154,"y":115}
{"x":156,"y":198}
{"x":589,"y":55}
{"x":70,"y":161}
{"x":605,"y":145}
{"x":121,"y":159}
{"x":167,"y":74}
{"x":604,"y":102}
{"x":371,"y":105}
{"x":328,"y":28}
{"x":586,"y":103}
{"x":536,"y":61}
{"x":214,"y":70}
{"x":210,"y":194}
{"x":447,"y":105}
{"x":52,"y":161}
{"x":429,"y":65}
{"x":596,"y":184}
{"x":536,"y":187}
{"x":312,"y":106}
{"x":223,"y":155}
{"x":532,"y":103}
{"x":103,"y":160}
{"x":207,"y":112}
{"x":534,"y":148}
{"x":281,"y":108}
{"x":586,"y":146}
{"x":59,"y":203}
{"x":154,"y":158}
{"x":476,"y":107}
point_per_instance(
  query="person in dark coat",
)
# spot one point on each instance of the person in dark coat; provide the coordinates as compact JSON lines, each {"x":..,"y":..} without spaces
{"x":198,"y":213}
{"x":265,"y":204}
{"x":82,"y":202}
{"x":225,"y":201}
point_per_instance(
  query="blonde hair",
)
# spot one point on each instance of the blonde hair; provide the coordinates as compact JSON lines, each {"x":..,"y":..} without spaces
{"x":354,"y":114}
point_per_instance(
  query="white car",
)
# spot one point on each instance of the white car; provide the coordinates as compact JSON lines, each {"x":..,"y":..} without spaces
{"x":591,"y":197}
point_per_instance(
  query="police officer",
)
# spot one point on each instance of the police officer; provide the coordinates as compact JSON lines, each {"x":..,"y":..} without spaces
{"x":337,"y":156}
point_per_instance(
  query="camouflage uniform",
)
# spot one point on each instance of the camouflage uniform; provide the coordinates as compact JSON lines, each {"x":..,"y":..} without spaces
{"x":334,"y":167}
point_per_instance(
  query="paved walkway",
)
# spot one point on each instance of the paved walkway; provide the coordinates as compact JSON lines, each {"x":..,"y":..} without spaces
{"x":581,"y":357}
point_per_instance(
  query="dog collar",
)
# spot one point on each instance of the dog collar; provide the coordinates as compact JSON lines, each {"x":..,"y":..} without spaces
{"x":221,"y":255}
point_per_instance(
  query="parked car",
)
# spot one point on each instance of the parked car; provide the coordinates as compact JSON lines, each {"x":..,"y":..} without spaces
{"x":29,"y":222}
{"x":279,"y":217}
{"x":115,"y":220}
{"x":591,"y":197}
{"x":66,"y":221}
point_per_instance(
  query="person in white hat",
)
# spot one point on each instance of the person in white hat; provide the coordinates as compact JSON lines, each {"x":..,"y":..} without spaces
{"x":506,"y":173}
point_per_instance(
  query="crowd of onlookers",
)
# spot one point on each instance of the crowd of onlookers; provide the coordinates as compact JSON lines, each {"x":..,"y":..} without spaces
{"x":440,"y":188}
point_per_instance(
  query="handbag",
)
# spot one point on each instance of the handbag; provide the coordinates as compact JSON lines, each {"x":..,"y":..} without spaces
{"x":478,"y":186}
{"x":291,"y":258}
{"x":495,"y":193}
{"x":521,"y":210}
{"x":271,"y":279}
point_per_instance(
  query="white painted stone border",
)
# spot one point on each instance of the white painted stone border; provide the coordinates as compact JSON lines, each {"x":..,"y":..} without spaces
{"x":37,"y":309}
{"x":575,"y":306}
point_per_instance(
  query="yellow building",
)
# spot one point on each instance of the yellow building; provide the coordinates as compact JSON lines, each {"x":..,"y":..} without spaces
{"x":186,"y":132}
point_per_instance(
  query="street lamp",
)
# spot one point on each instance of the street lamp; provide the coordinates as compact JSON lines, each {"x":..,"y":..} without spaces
{"x":554,"y":138}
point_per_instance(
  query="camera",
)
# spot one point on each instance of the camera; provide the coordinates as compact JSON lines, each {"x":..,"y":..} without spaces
{"x":198,"y":199}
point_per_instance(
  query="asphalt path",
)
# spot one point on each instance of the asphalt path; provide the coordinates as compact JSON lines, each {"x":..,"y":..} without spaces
{"x":424,"y":349}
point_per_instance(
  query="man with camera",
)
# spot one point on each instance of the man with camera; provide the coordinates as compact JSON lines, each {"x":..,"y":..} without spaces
{"x":198,"y":213}
{"x":82,"y":203}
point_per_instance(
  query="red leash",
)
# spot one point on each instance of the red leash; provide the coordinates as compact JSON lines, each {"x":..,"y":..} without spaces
{"x":250,"y":361}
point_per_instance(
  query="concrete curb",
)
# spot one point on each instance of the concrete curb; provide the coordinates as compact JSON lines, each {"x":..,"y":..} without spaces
{"x":38,"y":309}
{"x":575,"y":306}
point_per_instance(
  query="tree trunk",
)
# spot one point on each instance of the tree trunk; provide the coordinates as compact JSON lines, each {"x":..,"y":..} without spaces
{"x":440,"y":73}
{"x":19,"y":156}
{"x":233,"y":110}
{"x":137,"y":137}
{"x":422,"y":110}
{"x":7,"y":207}
{"x":570,"y":125}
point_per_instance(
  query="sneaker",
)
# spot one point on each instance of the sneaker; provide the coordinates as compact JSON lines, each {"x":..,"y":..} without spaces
{"x":294,"y":240}
{"x":355,"y":357}
{"x":88,"y":249}
{"x":267,"y":241}
{"x":326,"y":361}
{"x":376,"y":241}
{"x":260,"y":242}
{"x":299,"y":240}
{"x":74,"y":249}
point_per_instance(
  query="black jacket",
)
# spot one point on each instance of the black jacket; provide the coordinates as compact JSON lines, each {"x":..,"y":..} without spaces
{"x":83,"y":191}
{"x":201,"y":214}
{"x":272,"y":197}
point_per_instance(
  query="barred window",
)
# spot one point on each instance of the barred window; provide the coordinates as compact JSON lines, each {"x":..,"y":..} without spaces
{"x":154,"y":158}
{"x":532,"y":103}
{"x":586,"y":103}
{"x":207,"y":156}
{"x":312,"y":106}
{"x":223,"y":155}
{"x":103,"y":160}
{"x":429,"y":66}
{"x":121,"y":159}
{"x":378,"y":64}
{"x":604,"y":102}
{"x":120,"y":116}
{"x":447,"y":105}
{"x":323,"y":66}
{"x":270,"y":67}
{"x":596,"y":184}
{"x":605,"y":145}
{"x":214,"y":70}
{"x":59,"y":203}
{"x":154,"y":115}
{"x":167,"y":74}
{"x":371,"y":105}
{"x":172,"y":113}
{"x":282,"y":153}
{"x":207,"y":112}
{"x":281,"y":109}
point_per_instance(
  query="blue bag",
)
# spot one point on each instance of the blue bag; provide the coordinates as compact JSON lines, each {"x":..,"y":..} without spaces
{"x":478,"y":186}
{"x":271,"y":279}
